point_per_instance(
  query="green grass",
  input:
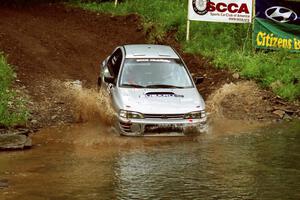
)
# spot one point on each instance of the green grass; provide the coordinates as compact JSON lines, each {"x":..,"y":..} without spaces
{"x":12,"y":107}
{"x":227,"y":45}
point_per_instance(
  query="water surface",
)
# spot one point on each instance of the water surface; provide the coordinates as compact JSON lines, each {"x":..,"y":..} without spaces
{"x":89,"y":162}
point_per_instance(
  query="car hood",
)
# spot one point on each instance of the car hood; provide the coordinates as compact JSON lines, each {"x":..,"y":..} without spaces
{"x":157,"y":101}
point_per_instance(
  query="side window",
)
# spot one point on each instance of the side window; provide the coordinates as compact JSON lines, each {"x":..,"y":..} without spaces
{"x":114,"y":62}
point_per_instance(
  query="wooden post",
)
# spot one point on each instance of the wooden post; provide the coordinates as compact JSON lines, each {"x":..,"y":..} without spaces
{"x":253,"y":21}
{"x":250,"y":27}
{"x":188,"y":30}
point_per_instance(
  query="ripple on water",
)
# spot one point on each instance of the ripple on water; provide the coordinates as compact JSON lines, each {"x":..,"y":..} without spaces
{"x":87,"y":162}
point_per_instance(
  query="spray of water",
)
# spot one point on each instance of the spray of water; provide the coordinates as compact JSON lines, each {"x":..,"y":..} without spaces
{"x":88,"y":105}
{"x":240,"y":94}
{"x":234,"y":98}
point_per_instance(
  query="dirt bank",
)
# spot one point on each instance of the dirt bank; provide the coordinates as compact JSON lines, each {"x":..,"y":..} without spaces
{"x":52,"y":42}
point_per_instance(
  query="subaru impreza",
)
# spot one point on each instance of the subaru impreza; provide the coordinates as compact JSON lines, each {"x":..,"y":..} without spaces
{"x":152,"y":92}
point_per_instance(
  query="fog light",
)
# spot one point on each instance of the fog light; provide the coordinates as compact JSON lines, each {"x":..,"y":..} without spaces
{"x":136,"y":128}
{"x":195,"y":115}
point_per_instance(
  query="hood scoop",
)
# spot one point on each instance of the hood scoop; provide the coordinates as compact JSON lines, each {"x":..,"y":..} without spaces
{"x":162,"y":94}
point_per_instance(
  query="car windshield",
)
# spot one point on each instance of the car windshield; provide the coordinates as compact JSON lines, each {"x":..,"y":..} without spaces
{"x":155,"y":73}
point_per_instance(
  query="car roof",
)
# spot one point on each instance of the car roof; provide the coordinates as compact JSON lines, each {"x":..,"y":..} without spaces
{"x":149,"y":51}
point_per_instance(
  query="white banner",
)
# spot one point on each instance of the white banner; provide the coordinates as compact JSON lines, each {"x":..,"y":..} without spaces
{"x":230,"y":11}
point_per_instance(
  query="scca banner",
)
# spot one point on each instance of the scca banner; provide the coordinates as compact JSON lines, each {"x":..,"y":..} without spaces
{"x":277,"y":25}
{"x":230,"y":11}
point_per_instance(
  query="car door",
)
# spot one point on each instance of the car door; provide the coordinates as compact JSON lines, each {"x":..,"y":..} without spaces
{"x":113,"y":65}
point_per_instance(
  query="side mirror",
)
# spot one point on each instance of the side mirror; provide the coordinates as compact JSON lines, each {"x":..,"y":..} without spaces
{"x":199,"y":80}
{"x":105,"y":61}
{"x":109,"y":79}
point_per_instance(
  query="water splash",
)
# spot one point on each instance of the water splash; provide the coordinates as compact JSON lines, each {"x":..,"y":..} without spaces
{"x":239,"y":97}
{"x":88,"y":104}
{"x":232,"y":108}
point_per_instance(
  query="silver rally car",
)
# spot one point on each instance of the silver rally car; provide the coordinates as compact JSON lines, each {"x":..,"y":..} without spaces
{"x":152,"y":92}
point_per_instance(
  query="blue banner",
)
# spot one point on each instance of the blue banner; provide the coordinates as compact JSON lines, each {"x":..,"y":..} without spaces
{"x":280,"y":11}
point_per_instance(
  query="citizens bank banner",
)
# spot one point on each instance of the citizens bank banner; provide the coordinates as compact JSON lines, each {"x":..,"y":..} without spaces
{"x":230,"y":11}
{"x":277,"y":25}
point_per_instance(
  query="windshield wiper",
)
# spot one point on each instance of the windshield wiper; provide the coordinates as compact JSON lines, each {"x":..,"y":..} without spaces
{"x":132,"y":85}
{"x":163,"y":86}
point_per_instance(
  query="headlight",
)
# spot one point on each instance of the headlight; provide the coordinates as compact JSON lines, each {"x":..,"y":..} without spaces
{"x":130,"y":114}
{"x":195,"y":115}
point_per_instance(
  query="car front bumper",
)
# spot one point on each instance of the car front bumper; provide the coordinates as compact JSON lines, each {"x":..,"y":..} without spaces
{"x":161,"y":127}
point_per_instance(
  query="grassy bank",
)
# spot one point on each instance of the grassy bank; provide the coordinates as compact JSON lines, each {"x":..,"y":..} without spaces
{"x":227,"y":45}
{"x":12,"y":107}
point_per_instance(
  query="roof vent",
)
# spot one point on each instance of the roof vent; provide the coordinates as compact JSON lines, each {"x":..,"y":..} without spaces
{"x":162,"y":94}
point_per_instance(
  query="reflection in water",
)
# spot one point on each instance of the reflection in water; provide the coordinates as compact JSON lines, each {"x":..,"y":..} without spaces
{"x":88,"y":162}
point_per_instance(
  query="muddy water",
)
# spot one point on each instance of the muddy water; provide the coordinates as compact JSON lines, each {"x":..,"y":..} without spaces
{"x":89,"y":162}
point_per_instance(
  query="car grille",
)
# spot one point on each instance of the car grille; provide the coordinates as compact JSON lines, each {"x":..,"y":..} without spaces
{"x":154,"y":128}
{"x":164,"y":116}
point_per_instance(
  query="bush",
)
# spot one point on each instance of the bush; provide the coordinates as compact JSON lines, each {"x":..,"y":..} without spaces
{"x":12,"y":107}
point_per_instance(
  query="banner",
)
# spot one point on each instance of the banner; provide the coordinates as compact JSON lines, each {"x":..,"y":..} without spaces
{"x":230,"y":11}
{"x":277,"y":25}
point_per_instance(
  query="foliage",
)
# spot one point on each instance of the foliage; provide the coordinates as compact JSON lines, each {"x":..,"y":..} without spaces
{"x":12,"y":107}
{"x":227,"y":45}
